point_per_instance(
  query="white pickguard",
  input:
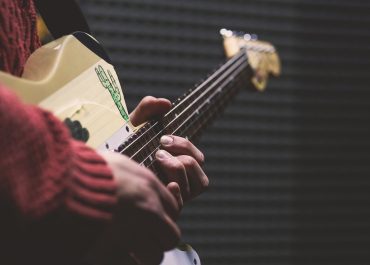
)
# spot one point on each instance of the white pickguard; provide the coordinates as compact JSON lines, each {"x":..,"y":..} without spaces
{"x":119,"y":137}
{"x":181,"y":257}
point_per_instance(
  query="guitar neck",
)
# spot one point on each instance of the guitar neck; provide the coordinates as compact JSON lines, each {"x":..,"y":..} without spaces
{"x":191,"y":112}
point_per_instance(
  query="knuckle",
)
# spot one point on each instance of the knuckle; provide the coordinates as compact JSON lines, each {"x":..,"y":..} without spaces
{"x":145,"y":183}
{"x":174,"y":165}
{"x":189,"y":161}
{"x":201,"y":158}
{"x":148,"y":100}
{"x":177,"y":167}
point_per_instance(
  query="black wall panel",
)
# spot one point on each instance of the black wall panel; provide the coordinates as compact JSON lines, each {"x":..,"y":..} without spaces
{"x":289,"y":168}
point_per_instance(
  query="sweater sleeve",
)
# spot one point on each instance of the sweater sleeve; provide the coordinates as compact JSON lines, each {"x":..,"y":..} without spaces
{"x":43,"y":172}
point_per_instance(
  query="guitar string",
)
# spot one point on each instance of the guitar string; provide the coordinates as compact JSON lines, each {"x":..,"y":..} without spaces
{"x":209,"y":80}
{"x":196,"y":119}
{"x":151,"y":164}
{"x":225,"y":82}
{"x":180,"y":126}
{"x":223,"y":76}
{"x":225,"y":67}
{"x":222,"y":98}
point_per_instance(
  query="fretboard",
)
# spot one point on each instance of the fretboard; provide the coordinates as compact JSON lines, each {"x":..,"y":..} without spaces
{"x":192,"y":112}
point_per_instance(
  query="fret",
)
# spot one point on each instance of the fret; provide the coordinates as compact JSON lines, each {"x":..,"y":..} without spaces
{"x":146,"y":147}
{"x":193,"y":95}
{"x":153,"y":143}
{"x":209,"y":111}
{"x":147,"y":161}
{"x":169,"y":129}
{"x":209,"y":95}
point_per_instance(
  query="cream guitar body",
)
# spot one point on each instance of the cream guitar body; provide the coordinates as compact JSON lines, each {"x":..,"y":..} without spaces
{"x":69,"y":78}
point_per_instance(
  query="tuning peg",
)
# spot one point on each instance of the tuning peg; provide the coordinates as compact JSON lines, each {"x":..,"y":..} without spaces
{"x":226,"y":33}
{"x":247,"y":37}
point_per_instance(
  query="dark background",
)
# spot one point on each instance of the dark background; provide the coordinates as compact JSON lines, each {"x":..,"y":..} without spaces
{"x":289,"y":168}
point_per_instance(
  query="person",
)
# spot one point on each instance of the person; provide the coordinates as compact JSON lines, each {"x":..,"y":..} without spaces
{"x":58,"y":197}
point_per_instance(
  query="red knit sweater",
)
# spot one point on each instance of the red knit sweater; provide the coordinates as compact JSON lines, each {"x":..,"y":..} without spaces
{"x":55,"y":193}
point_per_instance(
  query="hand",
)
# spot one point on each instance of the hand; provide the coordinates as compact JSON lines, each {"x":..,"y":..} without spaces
{"x":180,"y":160}
{"x":146,"y":209}
{"x":144,"y":222}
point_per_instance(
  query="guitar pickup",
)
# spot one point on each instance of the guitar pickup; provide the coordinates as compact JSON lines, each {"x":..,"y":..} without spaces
{"x":119,"y":137}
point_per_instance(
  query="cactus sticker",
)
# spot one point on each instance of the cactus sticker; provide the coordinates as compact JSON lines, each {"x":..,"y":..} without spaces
{"x":111,"y":85}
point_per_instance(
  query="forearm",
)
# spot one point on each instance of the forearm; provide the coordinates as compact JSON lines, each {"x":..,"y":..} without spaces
{"x":43,"y":169}
{"x":51,"y":187}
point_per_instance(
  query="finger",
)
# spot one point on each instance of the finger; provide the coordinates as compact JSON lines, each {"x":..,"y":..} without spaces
{"x":166,"y":199}
{"x":198,"y":180}
{"x":174,"y":188}
{"x":173,"y":170}
{"x":148,"y":108}
{"x":180,"y":146}
{"x":169,"y":202}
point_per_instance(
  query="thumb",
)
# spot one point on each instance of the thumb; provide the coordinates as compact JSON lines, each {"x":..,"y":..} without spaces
{"x":148,"y":108}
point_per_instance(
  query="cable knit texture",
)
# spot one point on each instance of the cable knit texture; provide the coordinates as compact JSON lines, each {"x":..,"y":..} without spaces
{"x":17,"y":33}
{"x":42,"y":168}
{"x":55,"y":193}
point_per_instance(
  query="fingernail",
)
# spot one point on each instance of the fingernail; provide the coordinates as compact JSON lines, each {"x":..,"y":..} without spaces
{"x":161,"y":154}
{"x":166,"y":140}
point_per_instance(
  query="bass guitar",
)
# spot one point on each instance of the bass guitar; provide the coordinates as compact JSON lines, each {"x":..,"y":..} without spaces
{"x":73,"y":77}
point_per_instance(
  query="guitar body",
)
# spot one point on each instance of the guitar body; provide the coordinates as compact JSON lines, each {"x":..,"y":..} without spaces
{"x":68,"y":78}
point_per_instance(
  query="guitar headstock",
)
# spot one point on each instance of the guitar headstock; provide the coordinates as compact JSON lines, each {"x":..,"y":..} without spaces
{"x":262,"y":56}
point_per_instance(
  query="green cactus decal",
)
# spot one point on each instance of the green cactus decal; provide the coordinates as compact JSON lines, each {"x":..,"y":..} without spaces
{"x":111,"y":85}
